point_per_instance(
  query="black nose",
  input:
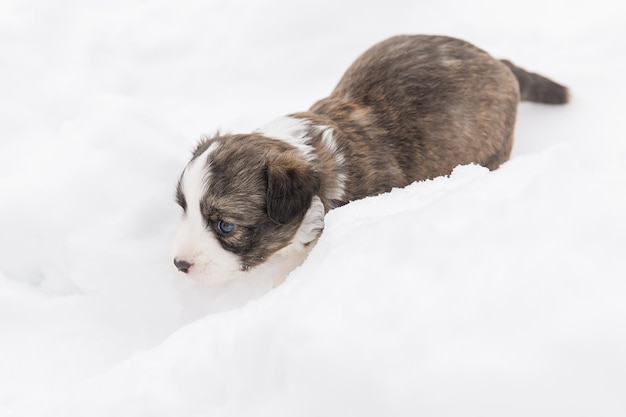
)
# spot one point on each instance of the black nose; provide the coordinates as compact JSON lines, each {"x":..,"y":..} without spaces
{"x":182,"y":265}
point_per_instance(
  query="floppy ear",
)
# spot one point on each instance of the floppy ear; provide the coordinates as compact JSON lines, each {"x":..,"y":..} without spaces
{"x":291,"y":186}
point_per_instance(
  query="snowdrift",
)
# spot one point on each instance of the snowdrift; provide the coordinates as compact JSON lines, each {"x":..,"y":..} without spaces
{"x":481,"y":293}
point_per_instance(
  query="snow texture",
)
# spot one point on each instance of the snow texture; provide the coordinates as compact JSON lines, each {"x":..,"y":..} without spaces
{"x":479,"y":294}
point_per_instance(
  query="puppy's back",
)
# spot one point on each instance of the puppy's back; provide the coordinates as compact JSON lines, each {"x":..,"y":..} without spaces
{"x":430,"y":102}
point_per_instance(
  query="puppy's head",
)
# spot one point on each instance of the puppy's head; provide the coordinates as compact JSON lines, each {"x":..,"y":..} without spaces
{"x":244,"y":198}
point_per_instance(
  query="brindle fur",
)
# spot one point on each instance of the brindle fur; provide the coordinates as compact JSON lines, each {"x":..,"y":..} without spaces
{"x":410,"y":108}
{"x":262,"y":186}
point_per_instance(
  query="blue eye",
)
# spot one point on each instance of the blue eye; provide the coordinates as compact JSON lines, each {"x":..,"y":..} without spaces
{"x":225,"y":228}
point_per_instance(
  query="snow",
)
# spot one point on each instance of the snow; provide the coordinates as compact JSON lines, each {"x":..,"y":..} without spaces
{"x":482,"y":293}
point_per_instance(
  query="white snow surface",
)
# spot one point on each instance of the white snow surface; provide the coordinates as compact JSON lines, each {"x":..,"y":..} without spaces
{"x":479,"y":294}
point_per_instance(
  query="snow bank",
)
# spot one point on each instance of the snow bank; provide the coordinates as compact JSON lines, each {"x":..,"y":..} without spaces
{"x":481,"y":293}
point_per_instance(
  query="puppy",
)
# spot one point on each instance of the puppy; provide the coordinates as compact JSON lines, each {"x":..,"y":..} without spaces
{"x":409,"y":109}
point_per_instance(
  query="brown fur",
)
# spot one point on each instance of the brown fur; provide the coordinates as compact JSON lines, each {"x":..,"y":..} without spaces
{"x":414,"y":107}
{"x":408,"y":109}
{"x":252,"y":177}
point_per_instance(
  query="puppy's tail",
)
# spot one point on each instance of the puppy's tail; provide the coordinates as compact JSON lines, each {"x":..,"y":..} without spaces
{"x":537,"y":88}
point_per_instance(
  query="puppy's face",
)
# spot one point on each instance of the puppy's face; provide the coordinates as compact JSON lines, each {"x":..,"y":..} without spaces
{"x":243,"y":197}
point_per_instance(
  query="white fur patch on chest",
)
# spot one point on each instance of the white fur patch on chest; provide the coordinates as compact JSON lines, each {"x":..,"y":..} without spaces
{"x":336,"y":192}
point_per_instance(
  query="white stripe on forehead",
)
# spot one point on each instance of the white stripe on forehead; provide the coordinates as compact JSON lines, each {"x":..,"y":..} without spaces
{"x":293,"y":131}
{"x":194,"y":242}
{"x":195,"y":179}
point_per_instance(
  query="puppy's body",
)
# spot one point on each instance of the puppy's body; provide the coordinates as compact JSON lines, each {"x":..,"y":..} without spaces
{"x":410,"y":108}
